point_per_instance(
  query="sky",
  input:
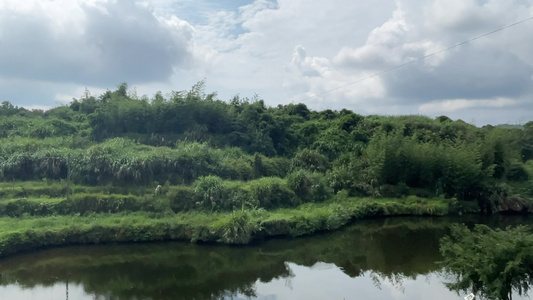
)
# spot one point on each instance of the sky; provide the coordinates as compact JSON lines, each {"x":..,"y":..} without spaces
{"x":325,"y":54}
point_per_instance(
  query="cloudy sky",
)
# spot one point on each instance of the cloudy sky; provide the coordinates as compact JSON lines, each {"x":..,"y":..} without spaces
{"x":286,"y":51}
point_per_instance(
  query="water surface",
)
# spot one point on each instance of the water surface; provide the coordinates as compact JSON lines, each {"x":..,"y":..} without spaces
{"x":372,"y":259}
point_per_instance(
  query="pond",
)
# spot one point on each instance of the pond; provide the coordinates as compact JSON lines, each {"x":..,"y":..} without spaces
{"x":391,"y":258}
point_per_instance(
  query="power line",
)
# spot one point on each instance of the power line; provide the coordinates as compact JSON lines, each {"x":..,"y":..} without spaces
{"x":419,"y":58}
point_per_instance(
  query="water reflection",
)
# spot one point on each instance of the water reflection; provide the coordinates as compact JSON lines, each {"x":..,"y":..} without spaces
{"x":333,"y":284}
{"x":375,"y":259}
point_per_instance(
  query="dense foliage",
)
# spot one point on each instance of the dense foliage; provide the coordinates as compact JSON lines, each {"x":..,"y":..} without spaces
{"x":490,"y":263}
{"x":216,"y":155}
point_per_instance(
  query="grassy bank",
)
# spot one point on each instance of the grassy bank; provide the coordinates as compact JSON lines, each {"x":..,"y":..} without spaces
{"x":237,"y":227}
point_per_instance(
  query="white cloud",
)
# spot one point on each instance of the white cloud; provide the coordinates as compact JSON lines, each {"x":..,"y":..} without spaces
{"x":95,"y":42}
{"x":380,"y":49}
{"x":446,"y":106}
{"x":283,"y":50}
{"x":388,"y":46}
{"x":37,"y":107}
{"x":459,"y":15}
{"x":313,"y":77}
{"x":309,"y":66}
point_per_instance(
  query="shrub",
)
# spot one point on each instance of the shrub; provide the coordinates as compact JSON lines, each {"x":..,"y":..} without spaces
{"x":89,"y":203}
{"x":238,"y":228}
{"x":181,"y":198}
{"x":517,"y":172}
{"x":211,"y":192}
{"x":242,"y":198}
{"x":309,"y":187}
{"x":272,"y":192}
{"x":236,"y":169}
{"x":310,"y":160}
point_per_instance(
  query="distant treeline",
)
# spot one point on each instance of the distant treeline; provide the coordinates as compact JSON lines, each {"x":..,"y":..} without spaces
{"x":284,"y":155}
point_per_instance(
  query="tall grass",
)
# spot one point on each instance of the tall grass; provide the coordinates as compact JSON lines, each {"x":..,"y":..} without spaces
{"x":239,"y":227}
{"x":122,"y":161}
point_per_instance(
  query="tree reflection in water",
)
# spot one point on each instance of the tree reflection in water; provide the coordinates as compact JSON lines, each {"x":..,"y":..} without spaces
{"x":388,"y":251}
{"x":492,"y":264}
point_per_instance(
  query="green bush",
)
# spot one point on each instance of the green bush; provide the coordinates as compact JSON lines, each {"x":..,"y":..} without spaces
{"x":236,"y":169}
{"x":91,"y":203}
{"x":237,"y":228}
{"x":309,"y":187}
{"x":272,"y":192}
{"x":211,"y":192}
{"x":517,"y":172}
{"x":182,"y":198}
{"x":310,"y":160}
{"x":242,"y":198}
{"x":78,"y":204}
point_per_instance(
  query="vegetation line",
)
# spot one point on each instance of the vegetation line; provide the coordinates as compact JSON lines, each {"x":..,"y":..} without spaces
{"x":119,"y":167}
{"x":238,"y":227}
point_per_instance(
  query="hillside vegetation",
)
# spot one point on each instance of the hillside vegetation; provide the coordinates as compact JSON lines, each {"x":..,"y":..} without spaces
{"x":102,"y":157}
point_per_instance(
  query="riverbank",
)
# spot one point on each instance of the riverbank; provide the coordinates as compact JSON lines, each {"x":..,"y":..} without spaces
{"x":237,"y":227}
{"x":385,"y":248}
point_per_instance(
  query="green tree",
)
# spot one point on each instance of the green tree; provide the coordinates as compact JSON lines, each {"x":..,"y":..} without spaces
{"x":310,"y":160}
